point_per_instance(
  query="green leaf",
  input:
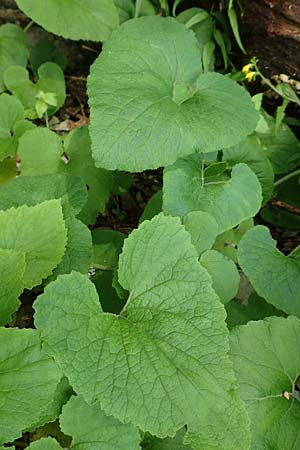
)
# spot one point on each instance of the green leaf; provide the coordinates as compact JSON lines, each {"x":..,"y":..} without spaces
{"x":28,"y":382}
{"x":235,"y":27}
{"x":266,"y":360}
{"x":176,"y":443}
{"x":227,"y":243}
{"x":203,"y":229}
{"x":13,"y":49}
{"x":72,"y":19}
{"x":107,"y":245}
{"x":46,"y":51}
{"x":255,"y":309}
{"x":274,"y":276}
{"x":12,"y":268}
{"x":77,"y":148}
{"x":8,"y":170}
{"x":280,"y":218}
{"x":229,"y":200}
{"x":282,"y":147}
{"x":78,"y":254}
{"x":162,"y":363}
{"x":252,"y":153}
{"x":224,"y":274}
{"x":34,"y":190}
{"x":43,"y":249}
{"x":50,"y":79}
{"x":11,"y":112}
{"x":137,"y":121}
{"x":47,"y":443}
{"x":108,"y":296}
{"x":153,"y":207}
{"x":40,"y":152}
{"x":92,"y":429}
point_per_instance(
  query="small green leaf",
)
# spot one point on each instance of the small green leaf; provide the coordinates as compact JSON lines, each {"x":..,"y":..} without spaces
{"x":72,"y":19}
{"x":40,"y":152}
{"x":229,"y":200}
{"x":274,"y":276}
{"x":162,"y":363}
{"x":12,"y":269}
{"x":46,"y":51}
{"x":137,"y":122}
{"x":265,"y":357}
{"x":50,"y":79}
{"x":107,"y":245}
{"x":153,"y":207}
{"x":11,"y":113}
{"x":92,"y":429}
{"x":227,"y":243}
{"x":224,"y":274}
{"x":13,"y":49}
{"x":25,"y":370}
{"x":43,"y":250}
{"x":235,"y":27}
{"x":203,"y":229}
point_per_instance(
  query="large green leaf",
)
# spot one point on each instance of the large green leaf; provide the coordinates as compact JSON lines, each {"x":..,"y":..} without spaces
{"x":34,"y":190}
{"x":77,"y":148}
{"x":44,"y":248}
{"x":92,"y":429}
{"x":274,"y":276}
{"x":91,"y":20}
{"x":163,"y":362}
{"x":13,"y":49}
{"x":266,"y":360}
{"x":150,"y":104}
{"x":28,"y":382}
{"x":12,"y":268}
{"x":229,"y":200}
{"x":252,"y":153}
{"x":50,"y":80}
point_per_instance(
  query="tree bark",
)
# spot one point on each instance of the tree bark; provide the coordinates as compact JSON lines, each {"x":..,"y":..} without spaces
{"x":270,"y":30}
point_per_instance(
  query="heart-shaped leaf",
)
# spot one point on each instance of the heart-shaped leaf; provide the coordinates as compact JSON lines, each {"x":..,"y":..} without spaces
{"x":13,"y":49}
{"x":73,"y":19}
{"x":50,"y":80}
{"x":151,"y":104}
{"x":162,"y":362}
{"x":274,"y":276}
{"x":265,"y":356}
{"x":228,"y":200}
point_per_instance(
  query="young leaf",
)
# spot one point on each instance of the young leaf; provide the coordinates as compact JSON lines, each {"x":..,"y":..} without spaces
{"x":24,"y":369}
{"x":224,"y":274}
{"x":40,"y":152}
{"x":150,"y":104}
{"x":13,"y":49}
{"x":12,"y":268}
{"x":274,"y":276}
{"x":161,"y":363}
{"x":203,"y":229}
{"x":266,"y":360}
{"x":229,"y":200}
{"x":77,"y":147}
{"x":72,"y":19}
{"x":92,"y":429}
{"x":50,"y":80}
{"x":43,"y":250}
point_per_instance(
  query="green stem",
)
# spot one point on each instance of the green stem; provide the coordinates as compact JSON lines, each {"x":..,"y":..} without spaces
{"x":28,"y":26}
{"x":287,"y":177}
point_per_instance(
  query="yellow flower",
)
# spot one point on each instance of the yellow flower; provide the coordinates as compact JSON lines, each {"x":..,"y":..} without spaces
{"x":249,"y":76}
{"x":246,"y":69}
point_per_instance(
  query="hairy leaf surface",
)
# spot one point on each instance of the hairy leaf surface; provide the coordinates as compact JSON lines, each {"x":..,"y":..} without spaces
{"x":266,"y":360}
{"x":151,"y":104}
{"x":162,"y":362}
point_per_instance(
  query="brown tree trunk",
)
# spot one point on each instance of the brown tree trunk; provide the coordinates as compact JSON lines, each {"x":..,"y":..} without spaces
{"x":270,"y":30}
